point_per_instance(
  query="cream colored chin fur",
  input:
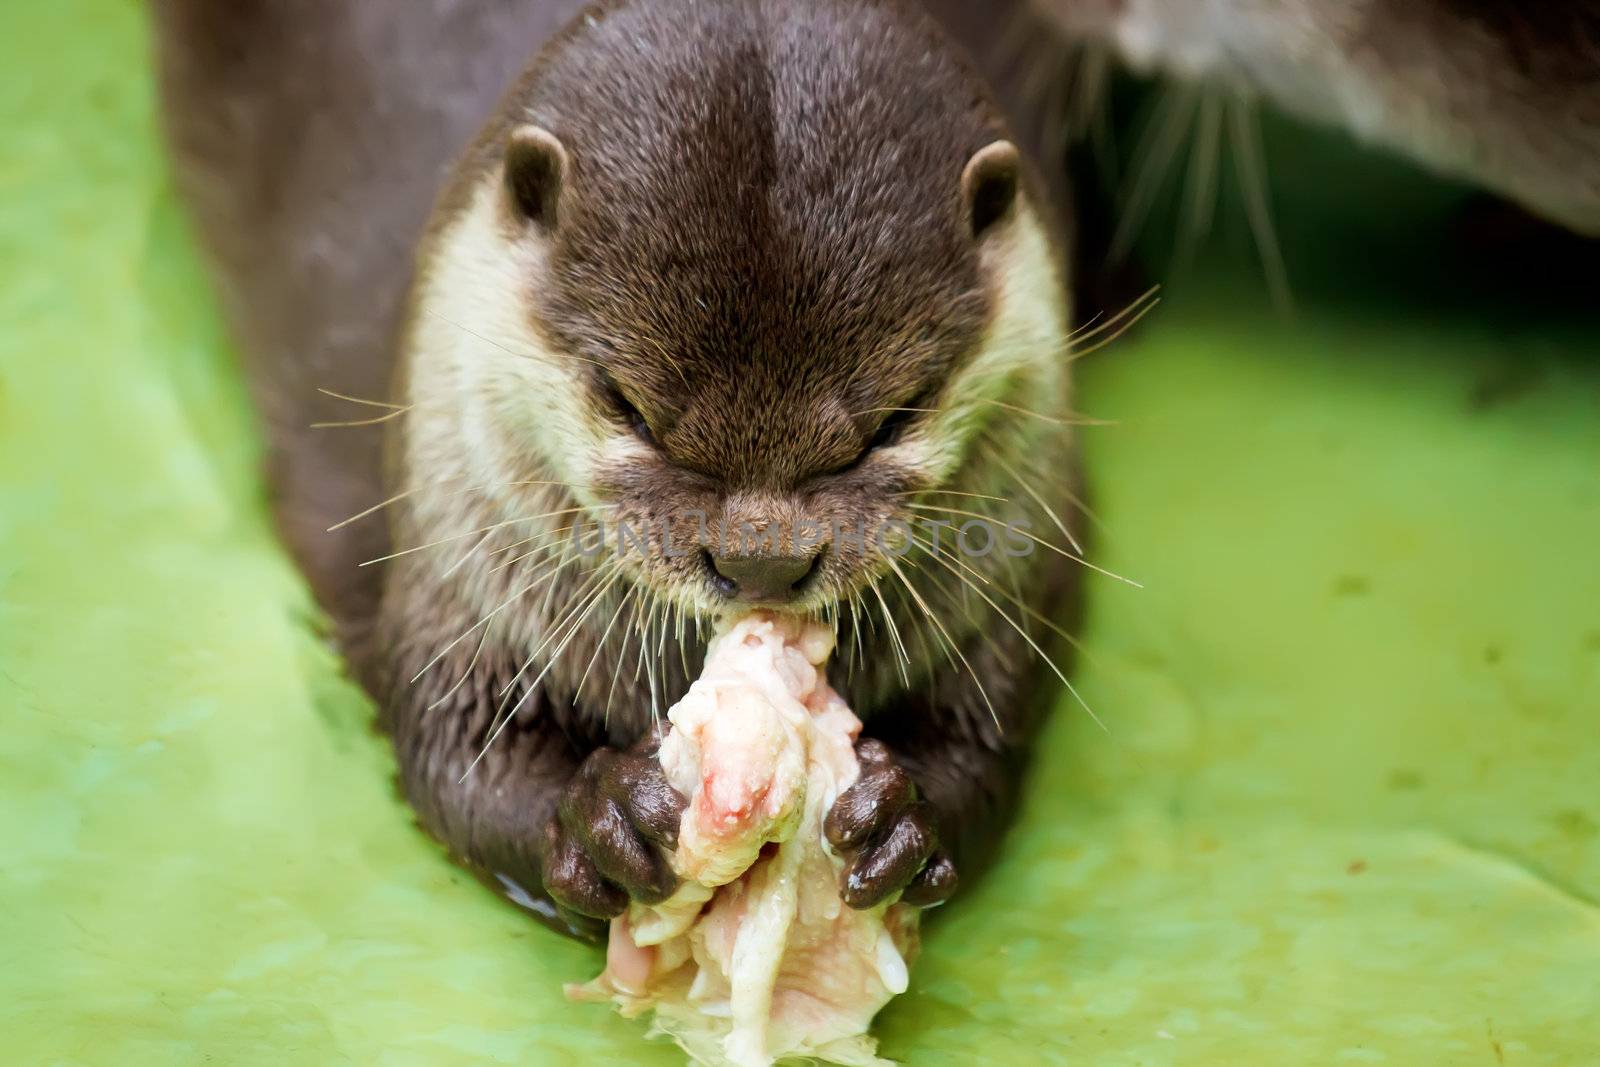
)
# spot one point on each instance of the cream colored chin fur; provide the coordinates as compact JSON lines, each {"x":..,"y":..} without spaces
{"x":494,"y":403}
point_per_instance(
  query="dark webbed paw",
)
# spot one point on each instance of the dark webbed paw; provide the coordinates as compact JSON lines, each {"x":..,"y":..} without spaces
{"x":607,"y":842}
{"x":887,"y":836}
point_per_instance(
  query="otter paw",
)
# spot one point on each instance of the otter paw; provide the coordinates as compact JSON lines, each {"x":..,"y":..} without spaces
{"x":607,"y":840}
{"x":887,"y":836}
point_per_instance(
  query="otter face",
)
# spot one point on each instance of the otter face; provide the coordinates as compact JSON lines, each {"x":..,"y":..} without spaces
{"x":747,"y":331}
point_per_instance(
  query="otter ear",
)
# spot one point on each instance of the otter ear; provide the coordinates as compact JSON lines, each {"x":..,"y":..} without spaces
{"x":989,"y":186}
{"x":535,"y":170}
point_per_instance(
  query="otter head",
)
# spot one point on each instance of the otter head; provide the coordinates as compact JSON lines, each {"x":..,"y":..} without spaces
{"x":743,"y":278}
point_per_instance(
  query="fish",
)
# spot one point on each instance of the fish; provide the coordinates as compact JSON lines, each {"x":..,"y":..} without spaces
{"x":755,"y":958}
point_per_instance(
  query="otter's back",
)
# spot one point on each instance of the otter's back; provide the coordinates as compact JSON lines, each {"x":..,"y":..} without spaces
{"x":310,"y":138}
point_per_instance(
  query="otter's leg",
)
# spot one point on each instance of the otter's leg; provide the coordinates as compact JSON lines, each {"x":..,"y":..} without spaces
{"x":563,"y":824}
{"x":939,"y":774}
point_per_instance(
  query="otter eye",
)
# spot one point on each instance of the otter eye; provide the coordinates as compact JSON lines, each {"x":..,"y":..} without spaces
{"x":626,"y":412}
{"x":890,"y":429}
{"x":887,"y":433}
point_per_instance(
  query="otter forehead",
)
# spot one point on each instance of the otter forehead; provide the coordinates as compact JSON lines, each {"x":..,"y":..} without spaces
{"x":762,"y":237}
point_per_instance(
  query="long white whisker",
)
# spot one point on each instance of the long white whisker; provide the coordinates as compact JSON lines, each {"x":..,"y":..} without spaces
{"x":466,"y":673}
{"x":934,"y":619}
{"x":364,"y":402}
{"x":504,"y":718}
{"x":1039,"y":497}
{"x":473,"y":533}
{"x":1089,"y":331}
{"x":1040,"y":652}
{"x":1080,"y":353}
{"x":1246,"y":137}
{"x":902,"y":657}
{"x":548,"y":575}
{"x":1037,"y":540}
{"x":1153,"y":162}
{"x":604,"y":637}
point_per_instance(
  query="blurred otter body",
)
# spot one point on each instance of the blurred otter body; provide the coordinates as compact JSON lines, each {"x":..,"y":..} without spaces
{"x":771,"y":263}
{"x":1503,"y":93}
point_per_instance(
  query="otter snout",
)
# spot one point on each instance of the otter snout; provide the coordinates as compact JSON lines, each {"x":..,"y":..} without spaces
{"x":766,"y":578}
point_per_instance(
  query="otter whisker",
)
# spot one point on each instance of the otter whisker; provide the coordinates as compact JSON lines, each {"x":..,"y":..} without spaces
{"x":1201,"y":203}
{"x":473,"y":551}
{"x":938,"y":648}
{"x":1080,"y":353}
{"x":548,"y":575}
{"x":666,"y":626}
{"x":546,"y":540}
{"x":549,"y":541}
{"x":1031,"y":613}
{"x":1245,"y":135}
{"x":1028,"y":465}
{"x":1039,"y":498}
{"x":374,"y":509}
{"x":683,"y":645}
{"x":650,"y":662}
{"x":471,"y":664}
{"x":977,"y":626}
{"x":934,"y":619}
{"x":1087,"y":324}
{"x":504,"y":717}
{"x":473,"y":533}
{"x":398,"y":408}
{"x":857,"y":613}
{"x":955,"y":492}
{"x":567,"y":557}
{"x":1151,"y":164}
{"x":1072,"y":420}
{"x":1089,"y":331}
{"x":1037,"y":540}
{"x":1055,"y":420}
{"x":932,"y":548}
{"x":506,"y":348}
{"x":901,"y":656}
{"x":644,"y":637}
{"x":890,"y":409}
{"x":591,"y":584}
{"x":352,"y":424}
{"x":1040,"y":652}
{"x":628,"y":633}
{"x":1090,"y":110}
{"x":658,"y":665}
{"x":600,"y":645}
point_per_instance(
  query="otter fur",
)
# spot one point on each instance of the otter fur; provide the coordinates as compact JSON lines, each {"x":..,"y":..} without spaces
{"x":763,"y":262}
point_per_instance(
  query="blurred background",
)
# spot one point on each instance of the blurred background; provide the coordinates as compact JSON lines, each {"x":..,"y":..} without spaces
{"x":1345,"y":808}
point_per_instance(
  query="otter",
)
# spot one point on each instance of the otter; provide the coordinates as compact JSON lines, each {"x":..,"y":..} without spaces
{"x":706,"y":266}
{"x":1499,"y":93}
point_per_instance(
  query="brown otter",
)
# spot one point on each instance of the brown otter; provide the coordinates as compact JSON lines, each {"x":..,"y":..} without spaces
{"x":1503,"y":93}
{"x":710,"y":266}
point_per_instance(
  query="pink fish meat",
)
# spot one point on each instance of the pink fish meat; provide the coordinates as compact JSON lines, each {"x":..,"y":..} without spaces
{"x":755,"y":958}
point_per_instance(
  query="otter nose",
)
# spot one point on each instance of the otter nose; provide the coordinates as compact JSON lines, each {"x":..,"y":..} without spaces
{"x":765,"y":577}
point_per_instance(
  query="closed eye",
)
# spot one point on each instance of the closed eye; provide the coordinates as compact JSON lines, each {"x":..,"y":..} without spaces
{"x":891,"y":428}
{"x":626,"y":411}
{"x":889,"y":431}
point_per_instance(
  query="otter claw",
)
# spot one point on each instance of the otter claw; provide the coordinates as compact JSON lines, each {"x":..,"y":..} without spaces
{"x":606,"y":842}
{"x":888,"y":836}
